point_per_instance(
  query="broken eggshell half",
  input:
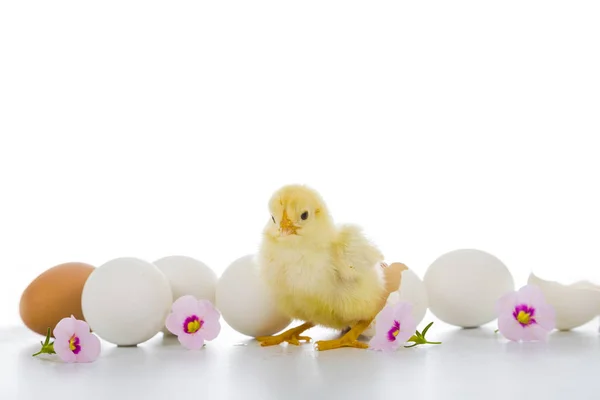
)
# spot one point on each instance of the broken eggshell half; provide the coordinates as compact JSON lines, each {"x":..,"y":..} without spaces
{"x":575,"y":304}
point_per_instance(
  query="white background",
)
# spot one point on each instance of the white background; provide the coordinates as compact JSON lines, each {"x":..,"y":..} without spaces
{"x":147,"y":129}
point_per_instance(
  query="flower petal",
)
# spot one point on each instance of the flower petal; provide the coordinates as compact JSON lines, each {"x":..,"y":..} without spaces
{"x":379,"y":343}
{"x":510,"y":327}
{"x":210,"y":330}
{"x":545,"y":317}
{"x":90,"y":348}
{"x":506,"y":303}
{"x":65,"y":328}
{"x":402,"y":310}
{"x":192,"y":342}
{"x":535,"y":332}
{"x":531,"y":295}
{"x":61,"y":348}
{"x":174,"y":323}
{"x":185,"y":305}
{"x":385,"y":318}
{"x":408,"y":327}
{"x":207,"y":311}
{"x":81,"y":328}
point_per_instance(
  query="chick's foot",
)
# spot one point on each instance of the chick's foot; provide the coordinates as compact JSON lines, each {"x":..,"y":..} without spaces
{"x":339,"y":343}
{"x":350,"y":339}
{"x":291,"y":336}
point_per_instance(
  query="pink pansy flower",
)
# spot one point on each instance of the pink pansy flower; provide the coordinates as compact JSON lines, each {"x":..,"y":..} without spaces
{"x":524,"y":315}
{"x":193,"y":321}
{"x":73,"y":342}
{"x":394,"y":326}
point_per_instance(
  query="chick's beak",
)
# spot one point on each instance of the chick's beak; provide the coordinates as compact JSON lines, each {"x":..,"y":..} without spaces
{"x":286,"y":226}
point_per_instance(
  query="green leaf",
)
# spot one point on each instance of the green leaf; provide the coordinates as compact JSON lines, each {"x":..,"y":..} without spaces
{"x":413,"y":338}
{"x":427,"y":328}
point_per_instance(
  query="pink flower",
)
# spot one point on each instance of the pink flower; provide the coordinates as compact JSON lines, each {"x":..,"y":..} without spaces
{"x":524,"y":315}
{"x":394,"y":325}
{"x":74,"y":342}
{"x":193,"y":321}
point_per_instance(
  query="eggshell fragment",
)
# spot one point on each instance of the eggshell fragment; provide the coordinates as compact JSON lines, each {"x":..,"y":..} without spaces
{"x":413,"y":291}
{"x":53,"y":295}
{"x":404,"y":285}
{"x":574,"y":305}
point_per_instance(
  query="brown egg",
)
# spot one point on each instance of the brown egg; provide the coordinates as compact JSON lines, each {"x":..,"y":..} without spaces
{"x":54,"y":295}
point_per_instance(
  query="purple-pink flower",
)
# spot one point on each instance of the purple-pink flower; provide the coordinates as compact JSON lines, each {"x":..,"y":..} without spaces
{"x":524,"y":315}
{"x":394,"y":325}
{"x":193,"y":321}
{"x":73,"y":341}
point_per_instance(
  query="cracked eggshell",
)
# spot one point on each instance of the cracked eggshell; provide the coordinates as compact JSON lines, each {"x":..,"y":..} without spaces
{"x":574,"y":305}
{"x":404,"y":285}
{"x":413,"y":290}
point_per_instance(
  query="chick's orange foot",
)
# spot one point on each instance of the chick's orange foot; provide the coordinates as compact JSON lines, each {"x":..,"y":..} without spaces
{"x":350,"y":338}
{"x":291,"y":336}
{"x":339,"y":343}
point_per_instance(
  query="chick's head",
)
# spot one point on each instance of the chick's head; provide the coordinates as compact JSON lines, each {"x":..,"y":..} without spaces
{"x":298,"y":213}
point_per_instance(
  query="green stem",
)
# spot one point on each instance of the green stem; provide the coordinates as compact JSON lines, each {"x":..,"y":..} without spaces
{"x":419,"y":337}
{"x":47,"y":347}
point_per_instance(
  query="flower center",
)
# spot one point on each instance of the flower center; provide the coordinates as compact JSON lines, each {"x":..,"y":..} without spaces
{"x":394,"y":331}
{"x":74,"y":344}
{"x":192,"y":324}
{"x":524,"y":315}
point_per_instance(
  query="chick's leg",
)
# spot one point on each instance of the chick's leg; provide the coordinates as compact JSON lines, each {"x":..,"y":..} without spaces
{"x":292,"y":336}
{"x":350,"y":339}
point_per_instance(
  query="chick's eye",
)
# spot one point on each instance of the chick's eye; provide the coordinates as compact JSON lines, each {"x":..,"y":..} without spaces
{"x":304,"y":215}
{"x":273,"y":218}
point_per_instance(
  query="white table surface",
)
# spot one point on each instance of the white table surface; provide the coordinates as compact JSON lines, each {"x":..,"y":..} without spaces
{"x":470,"y":364}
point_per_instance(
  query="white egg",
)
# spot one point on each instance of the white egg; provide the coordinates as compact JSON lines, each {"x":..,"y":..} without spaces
{"x":126,"y":301}
{"x":574,"y":305}
{"x":244,"y":301}
{"x":188,"y":276}
{"x":464,"y":285}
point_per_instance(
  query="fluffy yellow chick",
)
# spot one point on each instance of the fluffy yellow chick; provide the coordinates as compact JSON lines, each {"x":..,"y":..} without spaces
{"x":319,"y":272}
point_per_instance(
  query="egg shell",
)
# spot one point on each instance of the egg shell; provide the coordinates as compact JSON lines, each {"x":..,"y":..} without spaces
{"x":464,"y":285}
{"x":53,"y":295}
{"x":188,"y":276}
{"x":413,"y":291}
{"x":574,"y":305}
{"x":126,"y":301}
{"x":244,"y":302}
{"x":403,"y":284}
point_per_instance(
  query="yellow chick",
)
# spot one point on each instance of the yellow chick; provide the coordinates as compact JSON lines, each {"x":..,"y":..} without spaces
{"x":319,"y":272}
